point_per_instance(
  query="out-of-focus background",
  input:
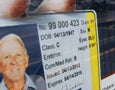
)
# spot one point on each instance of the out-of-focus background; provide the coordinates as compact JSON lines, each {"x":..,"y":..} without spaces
{"x":105,"y":10}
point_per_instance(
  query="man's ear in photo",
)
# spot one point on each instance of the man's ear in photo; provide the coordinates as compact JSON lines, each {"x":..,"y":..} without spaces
{"x":0,"y":62}
{"x":26,"y":61}
{"x":0,"y":66}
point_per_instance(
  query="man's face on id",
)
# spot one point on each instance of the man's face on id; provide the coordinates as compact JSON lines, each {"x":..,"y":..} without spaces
{"x":14,"y":60}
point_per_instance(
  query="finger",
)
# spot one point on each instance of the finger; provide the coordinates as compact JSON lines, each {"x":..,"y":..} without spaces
{"x":57,"y":5}
{"x":13,"y":8}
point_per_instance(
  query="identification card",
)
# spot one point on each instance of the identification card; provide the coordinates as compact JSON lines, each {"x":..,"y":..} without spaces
{"x":62,"y":48}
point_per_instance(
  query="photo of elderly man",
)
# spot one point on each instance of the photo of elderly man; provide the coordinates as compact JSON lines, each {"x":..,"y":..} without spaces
{"x":14,"y":61}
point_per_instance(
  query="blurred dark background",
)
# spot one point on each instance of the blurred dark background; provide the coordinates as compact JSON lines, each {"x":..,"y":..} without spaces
{"x":105,"y":10}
